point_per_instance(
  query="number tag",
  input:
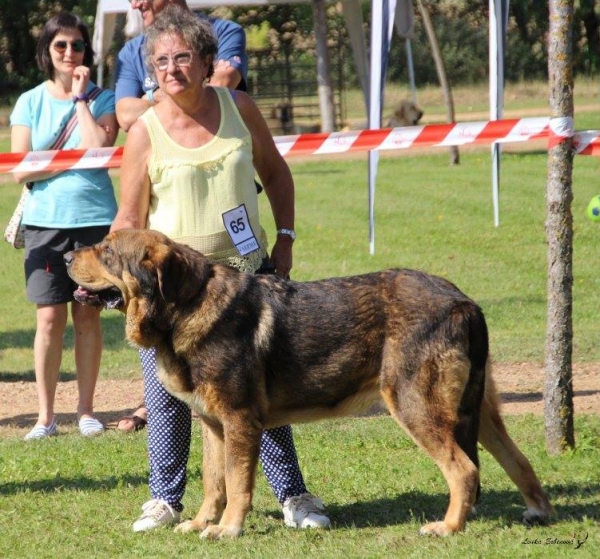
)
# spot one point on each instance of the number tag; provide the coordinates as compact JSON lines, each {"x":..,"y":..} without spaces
{"x":240,"y":231}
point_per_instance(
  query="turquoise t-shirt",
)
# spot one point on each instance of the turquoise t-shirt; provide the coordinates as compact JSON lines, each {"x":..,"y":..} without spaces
{"x":73,"y":198}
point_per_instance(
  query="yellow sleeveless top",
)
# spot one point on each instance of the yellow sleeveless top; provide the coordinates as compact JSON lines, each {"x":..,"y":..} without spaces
{"x":191,"y":188}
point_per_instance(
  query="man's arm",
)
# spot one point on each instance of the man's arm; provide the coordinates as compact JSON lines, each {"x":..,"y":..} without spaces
{"x":225,"y":75}
{"x":129,"y":87}
{"x":231,"y":62}
{"x":129,"y":109}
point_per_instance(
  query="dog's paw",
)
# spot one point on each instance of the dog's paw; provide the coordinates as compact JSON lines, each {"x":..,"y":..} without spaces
{"x":189,"y":526}
{"x":436,"y":529}
{"x":533,"y":517}
{"x":219,"y":532}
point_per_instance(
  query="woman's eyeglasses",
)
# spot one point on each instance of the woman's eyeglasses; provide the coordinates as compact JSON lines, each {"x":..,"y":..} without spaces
{"x":180,"y":59}
{"x":77,"y":46}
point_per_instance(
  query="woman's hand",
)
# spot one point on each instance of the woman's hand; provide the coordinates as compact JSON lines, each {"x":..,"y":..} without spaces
{"x":81,"y":79}
{"x":281,"y":256}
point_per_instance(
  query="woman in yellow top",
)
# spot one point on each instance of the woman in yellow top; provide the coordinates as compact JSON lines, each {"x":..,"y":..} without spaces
{"x":188,"y":171}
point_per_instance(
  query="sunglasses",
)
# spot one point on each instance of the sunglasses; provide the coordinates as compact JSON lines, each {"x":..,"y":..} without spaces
{"x":181,"y":59}
{"x":77,"y":46}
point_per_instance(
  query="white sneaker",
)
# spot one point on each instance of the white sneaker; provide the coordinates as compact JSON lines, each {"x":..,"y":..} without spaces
{"x":156,"y":514}
{"x":305,"y":511}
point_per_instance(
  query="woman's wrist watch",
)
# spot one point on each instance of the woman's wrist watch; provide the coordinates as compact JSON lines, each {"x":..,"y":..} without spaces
{"x":289,"y":232}
{"x":80,"y":97}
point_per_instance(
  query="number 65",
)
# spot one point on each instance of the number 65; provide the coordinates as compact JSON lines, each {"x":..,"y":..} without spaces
{"x":237,"y":225}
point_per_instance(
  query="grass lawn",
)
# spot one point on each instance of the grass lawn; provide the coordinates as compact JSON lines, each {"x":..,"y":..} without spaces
{"x":68,"y":496}
{"x":429,"y":216}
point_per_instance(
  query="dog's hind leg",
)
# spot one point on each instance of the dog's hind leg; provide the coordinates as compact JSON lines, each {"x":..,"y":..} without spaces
{"x":213,"y":464}
{"x":439,"y":408}
{"x":494,"y":437}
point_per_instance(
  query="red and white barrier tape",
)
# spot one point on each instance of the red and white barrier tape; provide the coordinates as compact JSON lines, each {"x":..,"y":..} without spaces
{"x":561,"y":128}
{"x":433,"y":135}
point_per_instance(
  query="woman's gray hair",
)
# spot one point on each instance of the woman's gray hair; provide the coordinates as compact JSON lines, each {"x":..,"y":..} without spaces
{"x":196,"y":32}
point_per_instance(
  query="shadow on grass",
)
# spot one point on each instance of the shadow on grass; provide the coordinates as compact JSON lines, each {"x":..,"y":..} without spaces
{"x":493,"y":504}
{"x":29,"y":376}
{"x":62,"y":484}
{"x":414,"y":506}
{"x":65,"y":419}
{"x":538,"y":396}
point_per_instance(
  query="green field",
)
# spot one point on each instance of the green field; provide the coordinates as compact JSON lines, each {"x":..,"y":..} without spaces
{"x":70,"y":495}
{"x":430,"y":216}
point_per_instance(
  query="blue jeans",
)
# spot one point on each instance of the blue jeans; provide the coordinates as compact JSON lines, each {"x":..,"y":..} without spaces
{"x":169,"y":434}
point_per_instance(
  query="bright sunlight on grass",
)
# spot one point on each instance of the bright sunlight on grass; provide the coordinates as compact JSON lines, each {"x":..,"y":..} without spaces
{"x":71,"y":496}
{"x":379,"y":488}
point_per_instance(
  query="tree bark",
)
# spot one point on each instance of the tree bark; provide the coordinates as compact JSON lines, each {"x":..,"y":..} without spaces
{"x":558,"y":390}
{"x":323,"y":68}
{"x":441,"y":72}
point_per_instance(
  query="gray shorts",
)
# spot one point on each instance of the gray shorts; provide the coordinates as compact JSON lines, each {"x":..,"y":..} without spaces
{"x":45,"y":272}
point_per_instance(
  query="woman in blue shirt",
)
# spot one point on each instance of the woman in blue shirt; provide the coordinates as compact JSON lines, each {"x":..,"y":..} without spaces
{"x":66,"y":210}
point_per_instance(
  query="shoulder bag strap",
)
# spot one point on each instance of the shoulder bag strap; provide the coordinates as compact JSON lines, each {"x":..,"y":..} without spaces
{"x":70,"y":126}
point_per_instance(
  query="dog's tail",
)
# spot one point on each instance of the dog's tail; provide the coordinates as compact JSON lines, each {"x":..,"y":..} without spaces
{"x":470,"y":322}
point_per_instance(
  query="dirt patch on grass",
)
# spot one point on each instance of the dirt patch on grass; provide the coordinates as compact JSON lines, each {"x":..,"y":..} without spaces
{"x":521,"y":386}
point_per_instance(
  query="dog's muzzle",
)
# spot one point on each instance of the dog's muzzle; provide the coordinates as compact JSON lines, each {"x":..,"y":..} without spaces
{"x":110,"y":298}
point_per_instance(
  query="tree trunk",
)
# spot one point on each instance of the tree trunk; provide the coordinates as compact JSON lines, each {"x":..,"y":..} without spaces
{"x":323,"y":68}
{"x":441,"y":72}
{"x":558,"y":393}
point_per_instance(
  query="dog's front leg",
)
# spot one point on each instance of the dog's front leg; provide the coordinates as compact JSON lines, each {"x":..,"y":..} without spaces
{"x":242,"y":443}
{"x":213,"y":465}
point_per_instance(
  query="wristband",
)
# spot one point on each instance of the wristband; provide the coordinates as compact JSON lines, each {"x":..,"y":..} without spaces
{"x":150,"y":95}
{"x":289,"y":232}
{"x":80,"y":97}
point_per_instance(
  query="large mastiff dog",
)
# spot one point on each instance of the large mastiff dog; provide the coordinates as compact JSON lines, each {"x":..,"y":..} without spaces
{"x":250,"y":352}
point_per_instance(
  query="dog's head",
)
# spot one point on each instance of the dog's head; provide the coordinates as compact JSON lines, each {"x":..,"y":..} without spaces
{"x":406,"y":113}
{"x":139,"y":272}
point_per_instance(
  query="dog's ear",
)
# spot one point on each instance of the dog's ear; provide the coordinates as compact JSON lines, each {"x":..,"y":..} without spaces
{"x":171,"y":274}
{"x":181,"y":273}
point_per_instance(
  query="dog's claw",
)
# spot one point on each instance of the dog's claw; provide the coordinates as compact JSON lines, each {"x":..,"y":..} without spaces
{"x":218,"y":532}
{"x":187,"y":526}
{"x":436,"y":529}
{"x":535,"y":518}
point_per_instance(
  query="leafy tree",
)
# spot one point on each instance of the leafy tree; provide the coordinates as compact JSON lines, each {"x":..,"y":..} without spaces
{"x":20,"y":25}
{"x":461,"y":27}
{"x":586,"y":37}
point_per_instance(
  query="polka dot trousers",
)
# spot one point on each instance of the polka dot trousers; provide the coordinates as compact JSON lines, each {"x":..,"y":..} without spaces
{"x":169,"y":434}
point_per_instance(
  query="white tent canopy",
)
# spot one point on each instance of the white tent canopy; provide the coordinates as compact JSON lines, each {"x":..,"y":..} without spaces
{"x":106,"y":21}
{"x":384,"y":12}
